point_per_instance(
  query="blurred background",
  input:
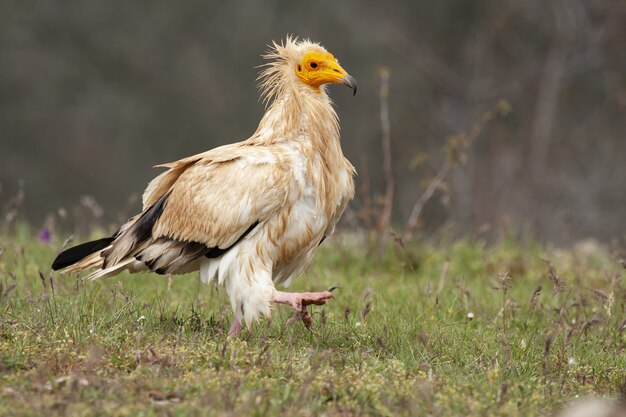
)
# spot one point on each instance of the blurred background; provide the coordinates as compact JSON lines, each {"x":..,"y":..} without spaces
{"x":94,"y":93}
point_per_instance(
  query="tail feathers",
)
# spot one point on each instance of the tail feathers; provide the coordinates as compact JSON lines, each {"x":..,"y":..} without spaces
{"x":92,"y":261}
{"x":76,"y":254}
{"x":129,"y":263}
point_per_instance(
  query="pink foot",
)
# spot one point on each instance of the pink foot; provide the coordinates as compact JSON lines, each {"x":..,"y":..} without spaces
{"x":235,"y":328}
{"x":299,"y":301}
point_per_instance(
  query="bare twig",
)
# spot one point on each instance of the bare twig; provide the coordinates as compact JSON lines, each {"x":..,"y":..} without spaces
{"x":385,"y":215}
{"x":456,"y":149}
{"x":366,"y":213}
{"x":549,"y":89}
{"x":423,"y":199}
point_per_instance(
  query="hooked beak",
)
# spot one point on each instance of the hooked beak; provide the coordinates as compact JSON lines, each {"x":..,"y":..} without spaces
{"x":350,"y":82}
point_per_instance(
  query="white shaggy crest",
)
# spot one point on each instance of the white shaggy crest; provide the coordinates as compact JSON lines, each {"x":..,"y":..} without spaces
{"x":278,"y":74}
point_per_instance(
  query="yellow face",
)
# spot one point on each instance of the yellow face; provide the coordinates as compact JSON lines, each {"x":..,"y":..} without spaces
{"x":318,"y":68}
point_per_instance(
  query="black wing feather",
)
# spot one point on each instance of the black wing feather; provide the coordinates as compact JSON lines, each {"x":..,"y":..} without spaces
{"x":72,"y":255}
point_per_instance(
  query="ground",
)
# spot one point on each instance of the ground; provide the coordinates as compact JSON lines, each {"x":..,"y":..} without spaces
{"x":440,"y":329}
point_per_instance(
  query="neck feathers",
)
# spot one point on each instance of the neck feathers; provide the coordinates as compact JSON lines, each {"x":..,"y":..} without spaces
{"x":294,"y":108}
{"x":296,"y":112}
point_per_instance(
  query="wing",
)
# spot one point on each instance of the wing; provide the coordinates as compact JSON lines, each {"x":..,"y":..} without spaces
{"x":203,"y":206}
{"x":164,"y":182}
{"x":215,"y":202}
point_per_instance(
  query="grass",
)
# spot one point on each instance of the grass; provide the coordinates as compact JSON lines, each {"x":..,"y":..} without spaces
{"x":547,"y":326}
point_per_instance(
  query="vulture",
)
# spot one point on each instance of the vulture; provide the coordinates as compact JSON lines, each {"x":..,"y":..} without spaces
{"x":247,"y":215}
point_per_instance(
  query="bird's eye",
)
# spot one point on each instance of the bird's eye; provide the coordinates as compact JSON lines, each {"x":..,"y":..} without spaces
{"x":313,"y":64}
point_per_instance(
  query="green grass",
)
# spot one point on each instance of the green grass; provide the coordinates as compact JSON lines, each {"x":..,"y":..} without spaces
{"x":396,"y":340}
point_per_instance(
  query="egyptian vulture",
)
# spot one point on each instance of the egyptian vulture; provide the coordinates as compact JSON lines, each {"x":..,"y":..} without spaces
{"x":248,"y":215}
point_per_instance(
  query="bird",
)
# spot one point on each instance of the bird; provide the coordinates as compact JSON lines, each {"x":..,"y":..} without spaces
{"x":248,"y":215}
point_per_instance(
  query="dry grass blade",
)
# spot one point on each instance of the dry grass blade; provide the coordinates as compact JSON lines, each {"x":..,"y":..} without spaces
{"x":558,"y":285}
{"x":535,"y":298}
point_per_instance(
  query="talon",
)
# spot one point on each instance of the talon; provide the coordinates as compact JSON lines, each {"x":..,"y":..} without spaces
{"x":300,"y":301}
{"x":307,"y":319}
{"x":331,"y":289}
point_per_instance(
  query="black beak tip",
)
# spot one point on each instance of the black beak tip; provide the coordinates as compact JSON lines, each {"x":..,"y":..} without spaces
{"x":350,"y":82}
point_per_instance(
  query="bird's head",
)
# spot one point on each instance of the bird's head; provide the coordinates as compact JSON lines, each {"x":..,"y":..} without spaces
{"x":303,"y":62}
{"x":318,"y":67}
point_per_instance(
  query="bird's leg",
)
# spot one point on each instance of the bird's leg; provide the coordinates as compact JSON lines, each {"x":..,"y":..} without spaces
{"x":235,"y":328}
{"x":299,"y":300}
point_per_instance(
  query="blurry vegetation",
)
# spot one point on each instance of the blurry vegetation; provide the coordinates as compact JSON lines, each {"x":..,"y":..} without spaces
{"x":92,"y":94}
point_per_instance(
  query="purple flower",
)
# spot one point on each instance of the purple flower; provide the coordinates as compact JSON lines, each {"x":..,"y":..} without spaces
{"x":45,"y":236}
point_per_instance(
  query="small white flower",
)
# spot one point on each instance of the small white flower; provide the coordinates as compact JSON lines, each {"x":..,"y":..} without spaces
{"x":470,"y":315}
{"x":140,"y":319}
{"x":358,"y":324}
{"x":571,"y":361}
